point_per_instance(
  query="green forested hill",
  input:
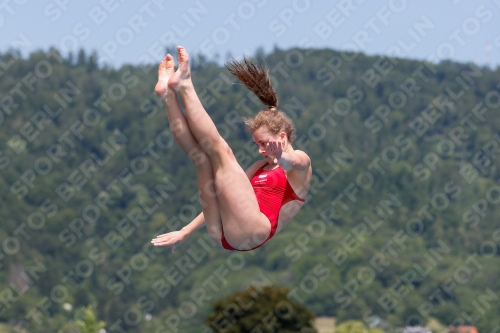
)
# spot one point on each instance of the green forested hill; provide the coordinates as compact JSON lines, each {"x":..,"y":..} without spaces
{"x":401,"y":223}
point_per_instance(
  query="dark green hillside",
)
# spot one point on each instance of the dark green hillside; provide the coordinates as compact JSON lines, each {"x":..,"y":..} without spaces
{"x":401,"y":221}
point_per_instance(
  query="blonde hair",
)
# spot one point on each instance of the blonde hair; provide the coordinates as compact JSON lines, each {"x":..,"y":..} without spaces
{"x":256,"y":79}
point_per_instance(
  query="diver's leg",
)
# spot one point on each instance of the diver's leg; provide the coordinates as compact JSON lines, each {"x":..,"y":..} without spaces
{"x":244,"y":225}
{"x":187,"y":142}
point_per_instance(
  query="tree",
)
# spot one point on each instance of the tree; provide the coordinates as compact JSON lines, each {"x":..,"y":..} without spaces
{"x":260,"y":55}
{"x":88,"y":323}
{"x":257,"y":309}
{"x":354,"y":326}
{"x":81,"y":58}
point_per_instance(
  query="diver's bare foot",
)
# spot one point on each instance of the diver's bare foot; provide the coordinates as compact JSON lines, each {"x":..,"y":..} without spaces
{"x":182,"y":77}
{"x":165,"y":71}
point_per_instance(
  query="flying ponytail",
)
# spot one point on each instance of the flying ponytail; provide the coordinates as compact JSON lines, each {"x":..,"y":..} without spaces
{"x":256,"y":79}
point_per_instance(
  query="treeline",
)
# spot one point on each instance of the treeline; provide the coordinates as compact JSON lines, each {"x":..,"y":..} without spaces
{"x":401,"y":222}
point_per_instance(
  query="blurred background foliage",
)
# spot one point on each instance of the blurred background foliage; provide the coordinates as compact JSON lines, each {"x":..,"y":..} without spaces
{"x":111,"y":138}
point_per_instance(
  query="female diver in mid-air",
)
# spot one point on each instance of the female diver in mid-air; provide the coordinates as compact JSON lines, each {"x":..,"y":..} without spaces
{"x":242,"y":210}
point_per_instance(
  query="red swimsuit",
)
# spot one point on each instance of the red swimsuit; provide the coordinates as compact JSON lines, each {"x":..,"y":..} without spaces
{"x":272,"y":190}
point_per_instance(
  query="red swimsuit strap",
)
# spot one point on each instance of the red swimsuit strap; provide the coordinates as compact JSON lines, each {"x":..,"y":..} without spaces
{"x":289,"y":191}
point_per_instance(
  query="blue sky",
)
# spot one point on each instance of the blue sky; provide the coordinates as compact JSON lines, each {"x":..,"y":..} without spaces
{"x":137,"y":32}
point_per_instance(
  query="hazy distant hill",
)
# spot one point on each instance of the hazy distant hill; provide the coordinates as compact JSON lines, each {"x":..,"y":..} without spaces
{"x":401,"y":221}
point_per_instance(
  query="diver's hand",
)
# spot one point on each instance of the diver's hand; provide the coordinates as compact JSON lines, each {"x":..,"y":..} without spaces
{"x":274,"y":150}
{"x":172,"y":238}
